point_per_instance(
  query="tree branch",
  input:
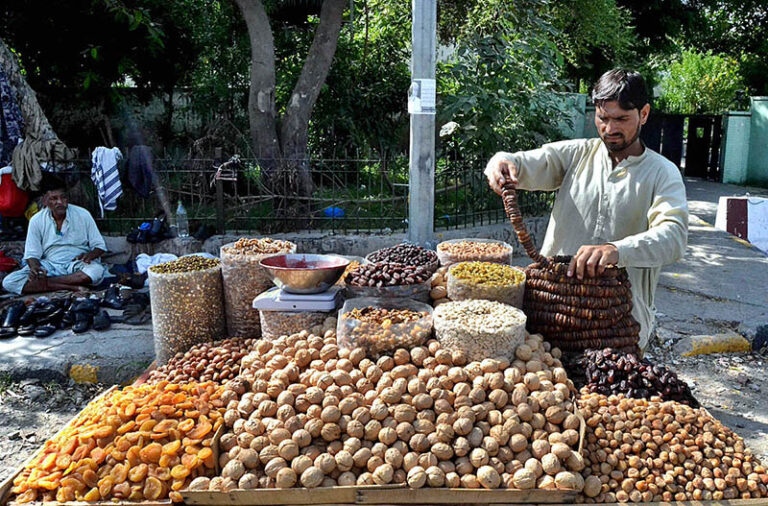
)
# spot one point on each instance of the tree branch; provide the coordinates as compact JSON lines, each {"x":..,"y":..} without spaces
{"x":261,"y":98}
{"x":293,"y":129}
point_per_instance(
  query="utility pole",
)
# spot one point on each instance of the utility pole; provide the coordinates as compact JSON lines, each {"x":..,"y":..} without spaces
{"x":421,"y":106}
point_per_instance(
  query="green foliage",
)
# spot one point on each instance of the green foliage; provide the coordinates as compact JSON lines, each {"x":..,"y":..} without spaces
{"x":700,"y":83}
{"x":597,"y":36}
{"x":498,"y":86}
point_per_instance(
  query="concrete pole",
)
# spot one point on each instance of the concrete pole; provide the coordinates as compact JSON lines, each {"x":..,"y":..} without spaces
{"x":421,"y":105}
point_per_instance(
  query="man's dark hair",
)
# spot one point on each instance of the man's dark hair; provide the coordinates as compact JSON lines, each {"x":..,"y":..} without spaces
{"x":624,"y":86}
{"x":52,"y":182}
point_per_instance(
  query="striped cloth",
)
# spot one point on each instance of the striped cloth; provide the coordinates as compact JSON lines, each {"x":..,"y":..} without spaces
{"x":106,"y":177}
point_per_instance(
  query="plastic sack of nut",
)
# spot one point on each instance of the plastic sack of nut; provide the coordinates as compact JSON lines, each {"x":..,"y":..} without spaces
{"x":486,"y":280}
{"x":187,"y":309}
{"x":275,"y":324}
{"x":382,"y":325}
{"x":474,"y":250}
{"x":480,"y":328}
{"x":244,"y":279}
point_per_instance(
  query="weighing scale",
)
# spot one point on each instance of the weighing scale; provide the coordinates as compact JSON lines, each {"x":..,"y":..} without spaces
{"x":276,"y":299}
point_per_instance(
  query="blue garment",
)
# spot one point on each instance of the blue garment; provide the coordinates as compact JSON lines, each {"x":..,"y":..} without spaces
{"x":106,"y":177}
{"x":140,"y":172}
{"x":11,"y":120}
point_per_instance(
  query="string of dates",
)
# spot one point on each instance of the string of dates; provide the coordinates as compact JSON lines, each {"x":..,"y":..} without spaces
{"x":573,"y":314}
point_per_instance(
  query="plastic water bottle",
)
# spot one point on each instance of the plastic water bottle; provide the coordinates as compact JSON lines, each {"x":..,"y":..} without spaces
{"x":182,"y":224}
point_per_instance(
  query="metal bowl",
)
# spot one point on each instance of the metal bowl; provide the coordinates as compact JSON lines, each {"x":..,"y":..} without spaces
{"x":304,"y":274}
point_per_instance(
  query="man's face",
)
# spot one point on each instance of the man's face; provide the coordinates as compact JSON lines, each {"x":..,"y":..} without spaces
{"x":619,"y":128}
{"x":57,"y":202}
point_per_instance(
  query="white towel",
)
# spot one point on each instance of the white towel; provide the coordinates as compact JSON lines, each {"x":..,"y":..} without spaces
{"x":106,"y":177}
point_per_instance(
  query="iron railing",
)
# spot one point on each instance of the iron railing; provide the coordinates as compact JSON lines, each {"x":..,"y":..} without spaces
{"x":360,"y":195}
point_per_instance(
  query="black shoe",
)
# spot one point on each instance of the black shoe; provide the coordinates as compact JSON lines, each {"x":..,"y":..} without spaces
{"x":13,"y":314}
{"x":101,"y":321}
{"x":112,"y":298}
{"x":26,"y":330}
{"x":90,"y":306}
{"x":45,"y":330}
{"x":83,"y":321}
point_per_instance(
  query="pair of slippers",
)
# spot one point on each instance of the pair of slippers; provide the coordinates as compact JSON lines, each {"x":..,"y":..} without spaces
{"x":136,"y":310}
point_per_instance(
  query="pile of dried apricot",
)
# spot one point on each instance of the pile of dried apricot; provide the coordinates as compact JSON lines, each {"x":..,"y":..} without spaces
{"x":140,"y":443}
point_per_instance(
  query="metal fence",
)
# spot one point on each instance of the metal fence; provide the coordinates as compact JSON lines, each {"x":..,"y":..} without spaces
{"x":350,"y":196}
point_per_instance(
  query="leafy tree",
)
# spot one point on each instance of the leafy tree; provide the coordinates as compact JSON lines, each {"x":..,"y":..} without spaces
{"x":700,"y":83}
{"x":498,"y":88}
{"x":597,"y":36}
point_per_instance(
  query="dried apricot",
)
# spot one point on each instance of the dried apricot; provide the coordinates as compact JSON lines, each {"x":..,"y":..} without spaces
{"x":171,"y":448}
{"x":68,"y":446}
{"x":49,"y":462}
{"x":175,"y":496}
{"x":65,"y":494}
{"x":90,"y":478}
{"x":73,"y":483}
{"x":166,"y":460}
{"x":126,"y":427}
{"x":179,"y":472}
{"x":27,"y":496}
{"x":105,"y":486}
{"x":133,"y":455}
{"x":92,"y":495}
{"x":130,"y":409}
{"x":163,"y":473}
{"x":119,"y":473}
{"x":138,"y":473}
{"x":148,"y":425}
{"x":98,"y":455}
{"x":136,"y":494}
{"x":190,"y":461}
{"x":153,"y":489}
{"x":186,"y":425}
{"x":191,"y":413}
{"x":177,"y":485}
{"x":121,"y":490}
{"x":151,"y":452}
{"x":103,"y":432}
{"x":63,"y":461}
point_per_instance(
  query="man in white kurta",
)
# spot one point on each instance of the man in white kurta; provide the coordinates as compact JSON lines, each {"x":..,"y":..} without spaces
{"x":618,"y":202}
{"x":62,"y":249}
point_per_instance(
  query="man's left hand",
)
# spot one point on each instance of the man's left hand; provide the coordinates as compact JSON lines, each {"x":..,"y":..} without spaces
{"x":591,"y":261}
{"x":87,"y":257}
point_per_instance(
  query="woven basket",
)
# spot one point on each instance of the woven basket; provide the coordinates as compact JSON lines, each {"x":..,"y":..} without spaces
{"x":570,"y":313}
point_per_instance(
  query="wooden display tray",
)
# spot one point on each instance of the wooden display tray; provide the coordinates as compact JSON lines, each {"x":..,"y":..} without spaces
{"x":378,"y":494}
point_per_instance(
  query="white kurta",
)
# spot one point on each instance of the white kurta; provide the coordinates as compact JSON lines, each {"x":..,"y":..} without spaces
{"x":639,"y":206}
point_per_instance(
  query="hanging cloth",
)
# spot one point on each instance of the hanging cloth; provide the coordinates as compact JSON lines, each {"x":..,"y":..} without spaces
{"x":11,"y":120}
{"x":106,"y":177}
{"x":140,"y":172}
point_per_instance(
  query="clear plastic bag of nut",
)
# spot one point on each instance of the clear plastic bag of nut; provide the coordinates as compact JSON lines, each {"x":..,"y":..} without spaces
{"x":187,"y":309}
{"x":465,"y":287}
{"x":382,"y":325}
{"x":418,"y":292}
{"x":275,"y":324}
{"x":244,"y":279}
{"x":479,"y":250}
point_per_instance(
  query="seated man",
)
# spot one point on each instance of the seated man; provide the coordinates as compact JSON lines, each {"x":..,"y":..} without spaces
{"x":62,"y":249}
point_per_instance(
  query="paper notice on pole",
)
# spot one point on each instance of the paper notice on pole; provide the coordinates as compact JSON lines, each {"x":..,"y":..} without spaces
{"x":422,"y":96}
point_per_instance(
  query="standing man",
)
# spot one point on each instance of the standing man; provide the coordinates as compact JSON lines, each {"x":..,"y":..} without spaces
{"x":619,"y":203}
{"x":62,"y":250}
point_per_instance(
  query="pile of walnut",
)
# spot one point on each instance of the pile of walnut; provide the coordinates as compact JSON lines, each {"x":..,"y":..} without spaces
{"x":439,"y":286}
{"x":312,"y":415}
{"x":642,"y":450}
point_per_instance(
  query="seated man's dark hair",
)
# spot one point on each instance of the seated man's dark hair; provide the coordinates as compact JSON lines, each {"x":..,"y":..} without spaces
{"x":624,"y":86}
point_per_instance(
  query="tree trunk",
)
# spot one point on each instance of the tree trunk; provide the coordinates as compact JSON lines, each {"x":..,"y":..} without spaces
{"x":36,"y":124}
{"x":261,"y":97}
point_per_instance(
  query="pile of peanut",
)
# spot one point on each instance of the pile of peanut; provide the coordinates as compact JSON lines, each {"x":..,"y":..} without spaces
{"x":465,"y":251}
{"x":261,"y":246}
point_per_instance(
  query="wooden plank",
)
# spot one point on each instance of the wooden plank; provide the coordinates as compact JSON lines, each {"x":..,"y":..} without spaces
{"x":5,"y":487}
{"x":325,"y":495}
{"x":366,"y":495}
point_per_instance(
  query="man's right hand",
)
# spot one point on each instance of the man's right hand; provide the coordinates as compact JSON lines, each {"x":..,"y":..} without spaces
{"x":500,"y":170}
{"x":36,"y":271}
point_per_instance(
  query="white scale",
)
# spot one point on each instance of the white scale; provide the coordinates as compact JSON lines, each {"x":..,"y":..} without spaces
{"x":276,"y":299}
